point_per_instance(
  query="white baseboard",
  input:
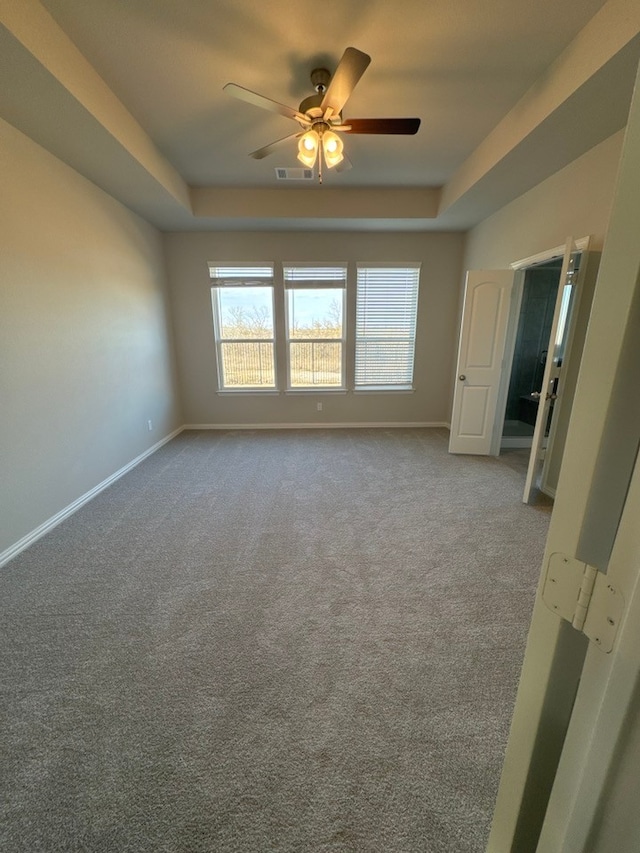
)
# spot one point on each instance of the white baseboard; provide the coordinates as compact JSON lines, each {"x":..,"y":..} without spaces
{"x":22,"y":544}
{"x":15,"y":549}
{"x":359,"y":425}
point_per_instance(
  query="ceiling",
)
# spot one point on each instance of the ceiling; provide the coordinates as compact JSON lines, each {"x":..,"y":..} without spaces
{"x":164,"y":138}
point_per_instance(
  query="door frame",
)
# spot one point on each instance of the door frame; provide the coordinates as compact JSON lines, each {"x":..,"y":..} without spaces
{"x":520,"y":268}
{"x":544,"y":401}
{"x":576,"y":333}
{"x":594,"y":767}
{"x":597,"y":465}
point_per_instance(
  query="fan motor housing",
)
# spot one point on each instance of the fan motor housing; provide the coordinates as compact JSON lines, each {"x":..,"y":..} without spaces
{"x":320,"y":79}
{"x":311,"y":103}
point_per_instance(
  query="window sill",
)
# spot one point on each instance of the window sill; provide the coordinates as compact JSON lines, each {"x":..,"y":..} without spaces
{"x":320,"y":390}
{"x":235,"y":392}
{"x":377,"y":389}
{"x":385,"y":389}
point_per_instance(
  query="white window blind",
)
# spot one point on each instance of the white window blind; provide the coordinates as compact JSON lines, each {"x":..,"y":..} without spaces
{"x":314,"y":275}
{"x":315,"y":305}
{"x":243,"y":320}
{"x":251,"y":275}
{"x":386,"y":311}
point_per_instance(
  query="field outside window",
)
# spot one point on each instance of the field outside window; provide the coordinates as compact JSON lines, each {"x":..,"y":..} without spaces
{"x":244,"y":328}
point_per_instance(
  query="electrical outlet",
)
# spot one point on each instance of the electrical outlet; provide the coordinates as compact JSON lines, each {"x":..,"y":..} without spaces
{"x":319,"y":406}
{"x":149,"y":425}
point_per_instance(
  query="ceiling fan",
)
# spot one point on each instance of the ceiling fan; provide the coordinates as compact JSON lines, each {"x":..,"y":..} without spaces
{"x":320,"y":115}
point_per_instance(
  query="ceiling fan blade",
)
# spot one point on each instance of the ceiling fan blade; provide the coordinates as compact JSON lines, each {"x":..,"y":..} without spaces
{"x":383,"y":125}
{"x":268,"y":149}
{"x":266,"y":103}
{"x":350,"y":69}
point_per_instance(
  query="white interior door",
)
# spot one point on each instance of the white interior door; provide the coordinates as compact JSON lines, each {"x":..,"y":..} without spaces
{"x":480,"y":360}
{"x":587,"y":810}
{"x":548,"y":380}
{"x":594,"y":800}
{"x":568,"y":349}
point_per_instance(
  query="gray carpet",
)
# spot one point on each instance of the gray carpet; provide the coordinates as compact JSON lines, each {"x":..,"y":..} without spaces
{"x":269,"y":641}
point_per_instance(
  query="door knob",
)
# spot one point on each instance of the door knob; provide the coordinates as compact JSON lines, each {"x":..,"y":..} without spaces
{"x":462,"y":377}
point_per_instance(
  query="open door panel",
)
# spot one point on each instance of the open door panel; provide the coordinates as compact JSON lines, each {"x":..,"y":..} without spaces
{"x":485,"y":317}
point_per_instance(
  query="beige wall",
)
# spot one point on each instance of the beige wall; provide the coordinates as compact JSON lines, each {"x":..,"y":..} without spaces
{"x":574,"y":202}
{"x":84,"y":332}
{"x":83,"y":337}
{"x":441,"y":254}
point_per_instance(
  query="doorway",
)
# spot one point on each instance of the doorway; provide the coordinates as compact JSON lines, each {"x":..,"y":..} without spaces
{"x":539,"y":375}
{"x":546,"y":320}
{"x":531,"y":350}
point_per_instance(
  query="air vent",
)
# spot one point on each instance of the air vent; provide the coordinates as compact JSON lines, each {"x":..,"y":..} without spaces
{"x":294,"y":174}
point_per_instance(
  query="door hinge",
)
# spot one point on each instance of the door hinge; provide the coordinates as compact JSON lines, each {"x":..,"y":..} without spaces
{"x":583,"y":596}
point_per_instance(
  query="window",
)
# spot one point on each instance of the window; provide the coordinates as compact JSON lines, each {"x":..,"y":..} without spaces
{"x":242,"y":298}
{"x":386,"y":310}
{"x":315,"y":305}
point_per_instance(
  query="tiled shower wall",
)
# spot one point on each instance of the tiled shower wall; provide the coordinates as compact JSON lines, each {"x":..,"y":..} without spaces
{"x":534,"y":328}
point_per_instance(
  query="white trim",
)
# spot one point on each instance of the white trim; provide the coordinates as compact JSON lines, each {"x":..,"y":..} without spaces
{"x":320,"y":425}
{"x":544,"y":403}
{"x":321,"y":389}
{"x":231,"y":392}
{"x":22,"y":544}
{"x":384,"y":389}
{"x":292,"y":340}
{"x":517,"y":292}
{"x":580,"y":245}
{"x":216,"y":319}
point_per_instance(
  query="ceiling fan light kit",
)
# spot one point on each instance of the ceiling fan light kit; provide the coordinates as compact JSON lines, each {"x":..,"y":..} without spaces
{"x":308,"y":148}
{"x":320,"y":115}
{"x":332,"y":147}
{"x":309,"y":145}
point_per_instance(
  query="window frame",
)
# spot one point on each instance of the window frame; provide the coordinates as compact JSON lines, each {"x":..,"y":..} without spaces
{"x":306,"y":276}
{"x":238,"y":276}
{"x":410,"y":270}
